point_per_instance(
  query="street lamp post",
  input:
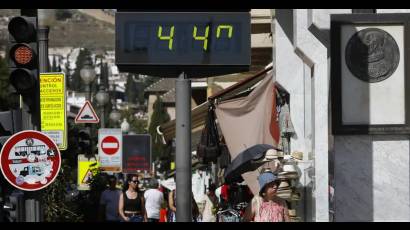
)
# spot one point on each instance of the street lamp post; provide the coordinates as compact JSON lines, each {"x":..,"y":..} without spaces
{"x":115,"y":115}
{"x":87,"y":74}
{"x":125,"y":126}
{"x":102,"y":98}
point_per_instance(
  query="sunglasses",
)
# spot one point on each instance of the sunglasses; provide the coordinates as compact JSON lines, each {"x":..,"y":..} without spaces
{"x":134,"y":181}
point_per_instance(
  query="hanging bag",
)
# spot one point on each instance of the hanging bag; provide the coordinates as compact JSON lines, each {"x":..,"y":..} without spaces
{"x":208,"y":148}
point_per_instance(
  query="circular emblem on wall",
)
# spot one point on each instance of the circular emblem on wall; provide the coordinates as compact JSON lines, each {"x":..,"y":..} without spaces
{"x":372,"y":55}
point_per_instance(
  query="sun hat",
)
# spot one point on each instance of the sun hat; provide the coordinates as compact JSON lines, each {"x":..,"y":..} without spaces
{"x":266,"y":178}
{"x":271,"y":154}
{"x":289,"y":168}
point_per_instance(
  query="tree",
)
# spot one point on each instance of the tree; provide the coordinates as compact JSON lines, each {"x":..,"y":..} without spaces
{"x":54,"y":67}
{"x":131,"y":89}
{"x":4,"y":84}
{"x":158,"y":117}
{"x":57,"y":208}
{"x":76,"y":83}
{"x":63,"y":14}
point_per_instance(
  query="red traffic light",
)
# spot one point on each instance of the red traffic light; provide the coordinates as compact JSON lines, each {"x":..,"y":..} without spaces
{"x":22,"y":29}
{"x":22,"y":54}
{"x":23,"y":80}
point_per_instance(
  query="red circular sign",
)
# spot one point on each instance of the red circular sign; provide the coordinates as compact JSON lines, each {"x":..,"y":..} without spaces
{"x":110,"y":145}
{"x":30,"y":160}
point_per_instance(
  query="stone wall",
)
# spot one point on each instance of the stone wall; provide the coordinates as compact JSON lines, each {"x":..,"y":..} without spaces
{"x":370,"y":172}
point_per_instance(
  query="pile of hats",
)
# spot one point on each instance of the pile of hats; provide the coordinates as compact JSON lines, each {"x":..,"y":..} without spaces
{"x":292,"y":216}
{"x":289,"y":169}
{"x":284,"y":190}
{"x":287,"y":191}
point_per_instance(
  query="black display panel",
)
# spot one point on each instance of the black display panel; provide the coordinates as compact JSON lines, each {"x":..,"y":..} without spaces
{"x":198,"y":43}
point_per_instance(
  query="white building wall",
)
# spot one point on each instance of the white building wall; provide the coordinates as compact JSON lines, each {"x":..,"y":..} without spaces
{"x":302,"y":69}
{"x":371,"y":172}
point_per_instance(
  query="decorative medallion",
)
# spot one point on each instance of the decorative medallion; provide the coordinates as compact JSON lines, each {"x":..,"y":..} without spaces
{"x":372,"y":55}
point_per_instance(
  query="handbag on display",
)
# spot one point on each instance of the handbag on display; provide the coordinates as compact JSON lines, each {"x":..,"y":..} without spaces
{"x":208,"y":148}
{"x":225,"y":158}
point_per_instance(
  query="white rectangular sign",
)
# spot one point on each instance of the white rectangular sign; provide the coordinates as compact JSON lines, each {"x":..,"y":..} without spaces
{"x":110,"y":150}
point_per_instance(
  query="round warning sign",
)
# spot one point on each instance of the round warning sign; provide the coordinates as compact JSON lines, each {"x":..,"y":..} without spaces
{"x":110,"y":145}
{"x":30,"y":160}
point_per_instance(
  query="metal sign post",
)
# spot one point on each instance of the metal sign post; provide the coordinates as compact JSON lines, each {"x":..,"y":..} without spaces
{"x":183,"y":149}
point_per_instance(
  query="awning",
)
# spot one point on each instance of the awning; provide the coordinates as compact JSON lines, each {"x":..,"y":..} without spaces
{"x":199,"y":113}
{"x":198,"y":116}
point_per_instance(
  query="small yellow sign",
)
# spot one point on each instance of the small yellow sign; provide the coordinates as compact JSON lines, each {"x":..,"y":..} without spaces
{"x":87,"y":168}
{"x":53,"y":108}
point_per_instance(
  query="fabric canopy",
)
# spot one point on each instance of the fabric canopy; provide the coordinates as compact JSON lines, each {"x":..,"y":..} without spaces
{"x":249,"y":121}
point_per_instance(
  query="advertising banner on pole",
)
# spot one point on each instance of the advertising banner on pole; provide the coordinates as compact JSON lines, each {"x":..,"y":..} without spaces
{"x":136,"y":153}
{"x":87,"y":168}
{"x":110,"y":149}
{"x":53,"y":108}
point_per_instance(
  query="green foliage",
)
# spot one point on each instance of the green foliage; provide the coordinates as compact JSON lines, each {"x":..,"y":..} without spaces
{"x":136,"y":125}
{"x":89,"y":200}
{"x":57,"y":208}
{"x":76,"y":83}
{"x":159,"y":117}
{"x":63,"y":14}
{"x":131,"y":90}
{"x":54,"y":67}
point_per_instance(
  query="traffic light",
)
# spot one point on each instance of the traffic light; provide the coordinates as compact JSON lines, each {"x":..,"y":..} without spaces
{"x":14,"y":207}
{"x":84,"y":142}
{"x":23,"y":59}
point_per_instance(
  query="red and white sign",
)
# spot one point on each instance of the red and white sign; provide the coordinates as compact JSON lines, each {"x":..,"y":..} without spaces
{"x":110,"y":145}
{"x":110,"y":149}
{"x":30,"y":160}
{"x":87,"y":114}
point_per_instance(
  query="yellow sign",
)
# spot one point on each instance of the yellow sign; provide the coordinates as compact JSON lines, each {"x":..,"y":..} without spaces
{"x":87,"y":168}
{"x":53,"y":108}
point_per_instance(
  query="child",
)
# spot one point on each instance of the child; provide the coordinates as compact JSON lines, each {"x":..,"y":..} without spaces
{"x":267,"y":207}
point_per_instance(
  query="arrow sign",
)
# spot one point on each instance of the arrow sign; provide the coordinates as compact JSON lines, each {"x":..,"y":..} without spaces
{"x":87,"y":114}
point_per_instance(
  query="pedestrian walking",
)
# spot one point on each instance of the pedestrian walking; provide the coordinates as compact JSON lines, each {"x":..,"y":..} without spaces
{"x":109,"y":201}
{"x":267,"y":207}
{"x":153,"y":202}
{"x":211,"y":205}
{"x":172,"y":202}
{"x":131,"y":202}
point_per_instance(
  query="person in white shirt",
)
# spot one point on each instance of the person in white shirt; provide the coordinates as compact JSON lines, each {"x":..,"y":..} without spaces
{"x":109,"y":201}
{"x":153,"y":201}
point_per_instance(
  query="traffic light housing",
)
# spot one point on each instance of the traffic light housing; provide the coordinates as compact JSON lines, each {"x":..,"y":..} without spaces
{"x":84,"y":142}
{"x":14,"y":207}
{"x":23,"y":59}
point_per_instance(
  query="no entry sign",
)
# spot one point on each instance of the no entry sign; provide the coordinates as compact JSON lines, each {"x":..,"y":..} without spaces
{"x":30,"y":160}
{"x":110,"y":145}
{"x":110,"y":150}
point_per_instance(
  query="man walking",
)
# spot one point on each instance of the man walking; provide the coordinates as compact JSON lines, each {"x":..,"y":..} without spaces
{"x":153,"y":201}
{"x":109,"y":201}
